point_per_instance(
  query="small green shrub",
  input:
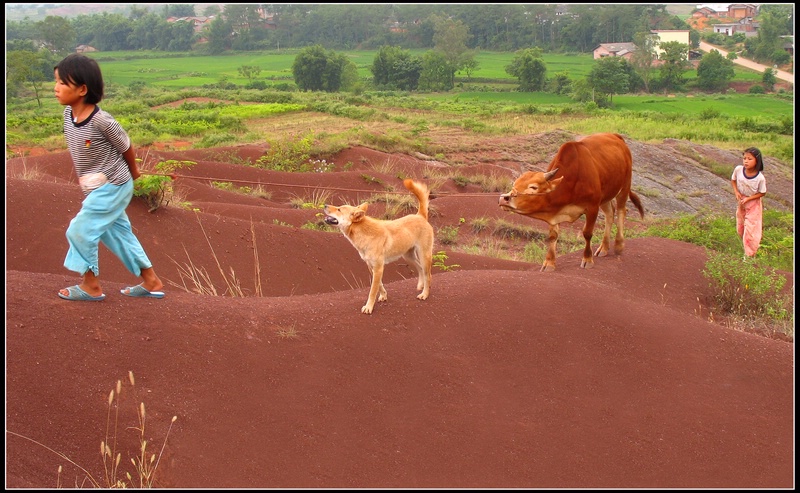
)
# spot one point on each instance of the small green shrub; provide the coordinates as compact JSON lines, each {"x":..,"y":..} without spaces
{"x":440,"y":259}
{"x":479,"y":224}
{"x":746,"y":289}
{"x":288,"y":155}
{"x":508,"y":230}
{"x":447,"y":235}
{"x":718,"y":233}
{"x":461,"y":181}
{"x":534,"y":252}
{"x":157,"y":190}
{"x":710,"y":114}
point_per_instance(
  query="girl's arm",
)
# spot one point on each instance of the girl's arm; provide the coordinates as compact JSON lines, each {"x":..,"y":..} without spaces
{"x":752,"y":197}
{"x":736,"y":191}
{"x":130,"y":158}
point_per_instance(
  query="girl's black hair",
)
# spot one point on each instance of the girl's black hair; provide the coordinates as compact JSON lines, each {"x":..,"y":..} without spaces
{"x":78,"y":70}
{"x":756,"y":154}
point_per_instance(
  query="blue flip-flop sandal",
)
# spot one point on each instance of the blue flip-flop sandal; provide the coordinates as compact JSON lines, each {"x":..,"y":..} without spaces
{"x":140,"y":292}
{"x":77,"y":294}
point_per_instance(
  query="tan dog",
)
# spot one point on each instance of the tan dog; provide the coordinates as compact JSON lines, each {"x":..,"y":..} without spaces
{"x":380,"y":242}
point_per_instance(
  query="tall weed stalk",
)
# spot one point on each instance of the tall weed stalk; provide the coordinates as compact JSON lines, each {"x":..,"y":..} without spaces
{"x":145,"y":463}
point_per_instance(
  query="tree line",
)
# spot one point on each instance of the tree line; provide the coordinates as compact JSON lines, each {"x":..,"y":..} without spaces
{"x":495,"y":27}
{"x":452,"y":44}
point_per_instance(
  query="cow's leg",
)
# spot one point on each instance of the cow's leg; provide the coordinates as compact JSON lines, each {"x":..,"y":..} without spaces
{"x":550,"y":259}
{"x":608,"y":212}
{"x":622,"y":211}
{"x":587,"y":262}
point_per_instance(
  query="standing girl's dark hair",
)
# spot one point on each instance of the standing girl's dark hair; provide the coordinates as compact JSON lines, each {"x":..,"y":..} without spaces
{"x":81,"y":70}
{"x":759,"y":159}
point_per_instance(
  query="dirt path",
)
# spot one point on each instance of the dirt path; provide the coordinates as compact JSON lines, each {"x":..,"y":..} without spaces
{"x":780,"y":74}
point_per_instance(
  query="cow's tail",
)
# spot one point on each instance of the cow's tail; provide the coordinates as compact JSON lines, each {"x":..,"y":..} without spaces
{"x":638,"y":203}
{"x":420,"y":190}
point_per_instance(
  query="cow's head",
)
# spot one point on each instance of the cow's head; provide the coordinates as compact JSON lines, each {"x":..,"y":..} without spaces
{"x":529,"y":190}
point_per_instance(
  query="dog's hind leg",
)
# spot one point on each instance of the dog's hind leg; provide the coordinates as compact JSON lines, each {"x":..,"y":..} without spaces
{"x":422,"y":262}
{"x":427,"y":264}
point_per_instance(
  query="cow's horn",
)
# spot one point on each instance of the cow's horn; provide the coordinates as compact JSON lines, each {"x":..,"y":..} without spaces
{"x":550,"y":174}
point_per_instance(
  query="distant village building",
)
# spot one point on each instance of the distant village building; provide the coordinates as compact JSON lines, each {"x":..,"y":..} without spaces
{"x":726,"y":19}
{"x":624,"y":50}
{"x":198,"y":22}
{"x":85,"y":49}
{"x":788,"y":44}
{"x":665,"y":36}
{"x":726,"y":11}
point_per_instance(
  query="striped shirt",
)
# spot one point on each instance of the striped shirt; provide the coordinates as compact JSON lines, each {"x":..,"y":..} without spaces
{"x":97,"y":144}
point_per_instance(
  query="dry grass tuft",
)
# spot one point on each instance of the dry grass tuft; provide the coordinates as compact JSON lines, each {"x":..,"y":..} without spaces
{"x":145,"y":464}
{"x":194,"y":279}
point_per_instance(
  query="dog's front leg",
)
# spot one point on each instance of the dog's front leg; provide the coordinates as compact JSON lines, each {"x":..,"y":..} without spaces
{"x":376,"y":289}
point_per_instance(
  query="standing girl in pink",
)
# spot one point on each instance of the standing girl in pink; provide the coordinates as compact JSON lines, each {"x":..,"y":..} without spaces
{"x":749,"y":185}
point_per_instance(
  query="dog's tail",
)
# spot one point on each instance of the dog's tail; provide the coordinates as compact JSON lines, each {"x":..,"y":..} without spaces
{"x":420,"y":190}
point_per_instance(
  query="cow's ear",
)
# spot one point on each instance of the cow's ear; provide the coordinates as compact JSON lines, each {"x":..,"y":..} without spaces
{"x":555,"y":183}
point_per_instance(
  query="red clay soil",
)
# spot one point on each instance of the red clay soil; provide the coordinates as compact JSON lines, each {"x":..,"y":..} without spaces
{"x":505,"y":377}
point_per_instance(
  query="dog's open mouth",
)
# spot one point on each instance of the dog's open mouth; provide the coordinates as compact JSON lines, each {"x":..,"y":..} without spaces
{"x":331,"y":220}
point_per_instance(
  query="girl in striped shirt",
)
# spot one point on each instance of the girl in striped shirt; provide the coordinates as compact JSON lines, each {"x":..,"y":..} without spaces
{"x":105,"y":162}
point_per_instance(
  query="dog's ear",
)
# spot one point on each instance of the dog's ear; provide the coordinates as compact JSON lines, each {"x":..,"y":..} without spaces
{"x":357,"y":215}
{"x":363,"y":207}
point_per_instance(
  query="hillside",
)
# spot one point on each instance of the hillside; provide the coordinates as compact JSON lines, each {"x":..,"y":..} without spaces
{"x":621,"y":376}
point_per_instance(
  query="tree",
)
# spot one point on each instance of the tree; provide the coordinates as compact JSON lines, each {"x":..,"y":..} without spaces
{"x":250,"y":72}
{"x":181,"y":36}
{"x":772,"y":23}
{"x":349,"y":79}
{"x":57,"y":35}
{"x":394,"y":67}
{"x":316,"y":69}
{"x":714,"y":71}
{"x":676,"y":61}
{"x":470,"y":66}
{"x":145,"y":28}
{"x":112,"y":32}
{"x":769,"y":79}
{"x":436,"y":73}
{"x":560,"y":83}
{"x":28,"y":67}
{"x":450,"y":40}
{"x":610,"y":76}
{"x":219,"y":36}
{"x":179,"y":10}
{"x":383,"y":63}
{"x":644,"y":56}
{"x":529,"y":69}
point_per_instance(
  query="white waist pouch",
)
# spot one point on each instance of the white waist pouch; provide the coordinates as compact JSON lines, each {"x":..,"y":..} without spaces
{"x":92,"y":180}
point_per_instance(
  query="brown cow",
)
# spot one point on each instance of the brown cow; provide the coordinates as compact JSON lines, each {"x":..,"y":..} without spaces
{"x":584,"y":177}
